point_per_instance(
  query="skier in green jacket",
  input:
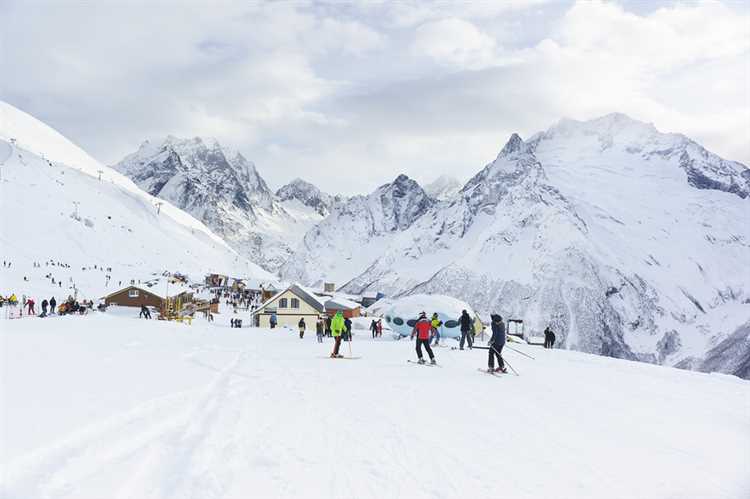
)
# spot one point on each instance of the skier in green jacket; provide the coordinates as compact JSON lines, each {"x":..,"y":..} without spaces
{"x":337,"y":327}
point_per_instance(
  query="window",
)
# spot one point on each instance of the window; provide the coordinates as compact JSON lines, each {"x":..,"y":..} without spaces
{"x":388,"y":319}
{"x":411,"y":322}
{"x":398,"y":321}
{"x":450,"y":324}
{"x":133,"y":293}
{"x":283,"y":303}
{"x":295,"y":303}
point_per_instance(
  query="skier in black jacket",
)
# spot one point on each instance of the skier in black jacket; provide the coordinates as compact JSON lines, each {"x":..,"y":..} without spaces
{"x":549,"y":338}
{"x":466,"y":326}
{"x":52,"y":305}
{"x":497,"y":342}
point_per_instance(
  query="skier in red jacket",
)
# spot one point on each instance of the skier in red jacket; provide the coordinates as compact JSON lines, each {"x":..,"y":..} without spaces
{"x":422,"y":330}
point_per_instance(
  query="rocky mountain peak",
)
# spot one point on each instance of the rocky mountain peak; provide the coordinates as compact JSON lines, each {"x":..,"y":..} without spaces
{"x":514,"y":145}
{"x":307,"y":194}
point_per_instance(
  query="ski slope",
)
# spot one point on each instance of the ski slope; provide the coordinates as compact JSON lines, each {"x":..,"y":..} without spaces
{"x":111,"y":406}
{"x":57,"y":209}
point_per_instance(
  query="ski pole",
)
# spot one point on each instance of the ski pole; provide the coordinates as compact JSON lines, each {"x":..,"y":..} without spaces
{"x":518,"y":351}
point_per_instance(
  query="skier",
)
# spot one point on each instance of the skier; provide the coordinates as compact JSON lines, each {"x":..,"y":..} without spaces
{"x":348,"y":326}
{"x":145,"y":314}
{"x":30,"y":304}
{"x":320,"y":329}
{"x":374,"y":328}
{"x":497,"y":342}
{"x":466,"y":327}
{"x":301,"y":326}
{"x":273,"y":320}
{"x":45,"y":304}
{"x":231,"y":323}
{"x":422,"y":331}
{"x":337,"y":327}
{"x":436,"y":323}
{"x":380,"y":327}
{"x":549,"y":338}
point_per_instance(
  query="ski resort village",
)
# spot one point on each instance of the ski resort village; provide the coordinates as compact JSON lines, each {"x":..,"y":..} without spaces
{"x":357,"y":250}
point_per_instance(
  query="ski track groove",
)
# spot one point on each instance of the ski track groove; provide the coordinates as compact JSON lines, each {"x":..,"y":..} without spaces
{"x":54,"y":470}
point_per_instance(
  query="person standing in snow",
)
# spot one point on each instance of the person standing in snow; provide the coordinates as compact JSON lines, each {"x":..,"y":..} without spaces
{"x":380,"y":328}
{"x":348,"y":328}
{"x":45,"y":303}
{"x":274,"y":320}
{"x":30,"y":303}
{"x":374,"y":328}
{"x":320,"y":328}
{"x":301,"y":326}
{"x":422,"y":330}
{"x":436,"y":324}
{"x":145,"y":314}
{"x":466,"y":328}
{"x":337,"y":327}
{"x":497,"y":342}
{"x":549,"y":338}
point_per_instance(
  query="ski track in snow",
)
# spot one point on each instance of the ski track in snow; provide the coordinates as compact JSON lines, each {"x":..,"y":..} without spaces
{"x":263,"y":417}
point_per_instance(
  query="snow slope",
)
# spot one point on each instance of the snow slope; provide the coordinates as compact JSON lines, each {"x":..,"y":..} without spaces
{"x":629,"y":242}
{"x":56,"y":208}
{"x":108,"y":406}
{"x":225,"y":191}
{"x":444,"y":188}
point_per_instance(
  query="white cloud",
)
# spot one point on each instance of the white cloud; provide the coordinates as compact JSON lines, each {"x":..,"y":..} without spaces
{"x":350,"y":95}
{"x":455,"y":42}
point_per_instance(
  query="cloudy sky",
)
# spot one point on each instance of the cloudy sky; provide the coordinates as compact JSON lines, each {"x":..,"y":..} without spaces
{"x":349,"y":95}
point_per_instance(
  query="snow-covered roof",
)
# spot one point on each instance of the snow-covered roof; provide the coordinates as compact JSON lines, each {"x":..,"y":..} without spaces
{"x":340,"y":303}
{"x":306,"y":294}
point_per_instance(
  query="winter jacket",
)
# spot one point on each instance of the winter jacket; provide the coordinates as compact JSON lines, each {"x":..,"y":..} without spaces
{"x":348,"y":325}
{"x":466,"y":322}
{"x":423,"y":327}
{"x":498,"y":334}
{"x":337,"y":324}
{"x":301,"y":324}
{"x":436,"y":323}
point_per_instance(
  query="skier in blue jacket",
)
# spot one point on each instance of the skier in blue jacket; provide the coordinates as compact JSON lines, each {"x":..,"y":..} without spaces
{"x":497,"y":342}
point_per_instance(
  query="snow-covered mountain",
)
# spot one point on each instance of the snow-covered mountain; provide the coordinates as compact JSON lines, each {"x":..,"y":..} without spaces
{"x":226,"y":192}
{"x":354,"y":235}
{"x":60,"y":204}
{"x":307,"y":194}
{"x":443,"y":188}
{"x":627,"y":241}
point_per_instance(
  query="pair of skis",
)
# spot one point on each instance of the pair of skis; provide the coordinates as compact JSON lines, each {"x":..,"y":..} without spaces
{"x":423,"y":363}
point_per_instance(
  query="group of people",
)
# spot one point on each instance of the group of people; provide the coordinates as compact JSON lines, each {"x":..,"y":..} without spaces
{"x":235,"y":323}
{"x":376,"y":328}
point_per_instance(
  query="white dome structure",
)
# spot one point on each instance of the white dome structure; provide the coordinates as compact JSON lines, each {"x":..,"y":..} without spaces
{"x":402,"y":314}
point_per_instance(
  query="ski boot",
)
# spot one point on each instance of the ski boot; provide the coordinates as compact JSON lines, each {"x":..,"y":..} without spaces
{"x":433,"y":361}
{"x":501,"y":370}
{"x":420,"y":361}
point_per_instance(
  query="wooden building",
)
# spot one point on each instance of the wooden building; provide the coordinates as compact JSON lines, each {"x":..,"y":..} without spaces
{"x":289,"y":306}
{"x":133,"y":296}
{"x":347,"y":307}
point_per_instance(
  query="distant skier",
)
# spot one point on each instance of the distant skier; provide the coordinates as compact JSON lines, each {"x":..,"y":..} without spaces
{"x":436,"y":324}
{"x":320,"y":329}
{"x":301,"y":326}
{"x":231,"y":323}
{"x":348,"y":328}
{"x":145,"y":313}
{"x":497,"y":342}
{"x":30,"y":304}
{"x":337,"y":327}
{"x":549,"y":338}
{"x":380,"y":327}
{"x":45,"y":304}
{"x":374,"y":328}
{"x":422,"y":330}
{"x":466,"y":328}
{"x":274,"y":320}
